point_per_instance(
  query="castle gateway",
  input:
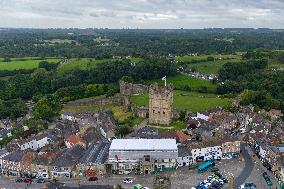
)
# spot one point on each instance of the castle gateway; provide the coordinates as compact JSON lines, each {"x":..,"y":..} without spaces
{"x":160,"y":104}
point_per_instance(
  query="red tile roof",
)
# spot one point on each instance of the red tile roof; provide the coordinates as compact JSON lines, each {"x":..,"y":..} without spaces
{"x":75,"y":139}
{"x":182,"y":137}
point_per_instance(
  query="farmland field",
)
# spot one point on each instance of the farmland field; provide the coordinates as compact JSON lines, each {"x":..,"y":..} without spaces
{"x":187,"y":101}
{"x":208,"y":67}
{"x":23,"y":64}
{"x":183,"y":80}
{"x":187,"y":58}
{"x":134,"y":59}
{"x":81,"y":64}
{"x":272,"y":63}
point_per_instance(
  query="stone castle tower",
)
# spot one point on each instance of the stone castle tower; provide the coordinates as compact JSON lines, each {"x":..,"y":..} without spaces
{"x":160,"y":104}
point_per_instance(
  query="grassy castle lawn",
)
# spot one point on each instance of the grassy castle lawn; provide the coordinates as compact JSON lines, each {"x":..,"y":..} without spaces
{"x":24,"y":63}
{"x":183,"y":80}
{"x":187,"y":101}
{"x":117,"y":111}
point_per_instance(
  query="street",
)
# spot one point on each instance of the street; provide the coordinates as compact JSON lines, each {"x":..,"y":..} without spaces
{"x":246,"y":170}
{"x":182,"y":178}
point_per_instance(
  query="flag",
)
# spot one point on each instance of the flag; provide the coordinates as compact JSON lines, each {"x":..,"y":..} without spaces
{"x":164,"y":78}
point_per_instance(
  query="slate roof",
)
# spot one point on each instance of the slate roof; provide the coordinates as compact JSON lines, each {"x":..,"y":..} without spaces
{"x":106,"y":120}
{"x":92,"y":135}
{"x":183,"y":151}
{"x":96,"y":154}
{"x":70,"y":156}
{"x":146,"y":132}
{"x":4,"y":132}
{"x":168,"y":134}
{"x":16,"y":156}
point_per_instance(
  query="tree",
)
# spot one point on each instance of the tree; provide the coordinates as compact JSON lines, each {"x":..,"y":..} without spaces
{"x":47,"y":66}
{"x":122,"y":130}
{"x":46,"y":108}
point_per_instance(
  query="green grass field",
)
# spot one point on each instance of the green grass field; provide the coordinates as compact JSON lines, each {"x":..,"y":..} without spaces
{"x":81,"y":64}
{"x":24,"y":64}
{"x":208,"y":67}
{"x":187,"y":101}
{"x":187,"y":58}
{"x":273,"y":63}
{"x":182,"y":80}
{"x":134,"y":59}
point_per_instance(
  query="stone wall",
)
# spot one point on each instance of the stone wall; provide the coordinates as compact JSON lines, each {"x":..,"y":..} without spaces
{"x":128,"y":89}
{"x":160,"y":104}
{"x":142,"y":112}
{"x":99,"y":101}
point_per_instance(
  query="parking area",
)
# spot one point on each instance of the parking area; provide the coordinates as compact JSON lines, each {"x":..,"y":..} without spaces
{"x":182,"y":178}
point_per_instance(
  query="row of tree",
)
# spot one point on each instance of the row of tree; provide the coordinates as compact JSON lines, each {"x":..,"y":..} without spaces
{"x":140,"y":43}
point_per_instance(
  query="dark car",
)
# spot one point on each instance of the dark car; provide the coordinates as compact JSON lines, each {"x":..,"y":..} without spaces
{"x":93,"y":178}
{"x":214,"y":169}
{"x":28,"y":180}
{"x":267,"y":179}
{"x":40,"y":180}
{"x":19,"y":180}
{"x":248,"y":186}
{"x":218,"y":174}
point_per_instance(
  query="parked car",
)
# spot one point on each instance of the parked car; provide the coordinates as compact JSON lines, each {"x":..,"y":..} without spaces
{"x":214,"y":169}
{"x":40,"y":180}
{"x":267,"y":179}
{"x":93,"y":178}
{"x":19,"y":180}
{"x":28,"y":180}
{"x":248,"y":186}
{"x":127,"y":181}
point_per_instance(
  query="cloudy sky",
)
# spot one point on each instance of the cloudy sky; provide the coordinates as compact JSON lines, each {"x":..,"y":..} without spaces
{"x":142,"y":13}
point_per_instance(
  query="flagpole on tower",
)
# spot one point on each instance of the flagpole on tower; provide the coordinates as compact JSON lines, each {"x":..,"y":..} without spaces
{"x":165,"y":79}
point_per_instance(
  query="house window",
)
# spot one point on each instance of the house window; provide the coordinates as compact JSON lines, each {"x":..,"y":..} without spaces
{"x":147,"y":158}
{"x":164,"y":113}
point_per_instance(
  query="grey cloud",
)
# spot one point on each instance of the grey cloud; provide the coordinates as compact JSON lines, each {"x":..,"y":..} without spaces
{"x":142,"y":13}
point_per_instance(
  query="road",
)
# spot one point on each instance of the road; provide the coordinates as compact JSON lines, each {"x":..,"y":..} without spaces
{"x":6,"y":183}
{"x":247,"y":170}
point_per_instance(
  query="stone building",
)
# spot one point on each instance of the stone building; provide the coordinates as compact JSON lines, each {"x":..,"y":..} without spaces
{"x":160,"y":104}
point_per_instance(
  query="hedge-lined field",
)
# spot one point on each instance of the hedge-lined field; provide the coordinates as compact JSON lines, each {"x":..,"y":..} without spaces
{"x":23,"y":64}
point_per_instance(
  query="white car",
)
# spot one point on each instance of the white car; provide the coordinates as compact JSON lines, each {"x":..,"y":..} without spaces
{"x":128,"y":181}
{"x":146,"y":188}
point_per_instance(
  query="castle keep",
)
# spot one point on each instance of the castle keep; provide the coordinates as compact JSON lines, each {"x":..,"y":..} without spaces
{"x":160,"y":104}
